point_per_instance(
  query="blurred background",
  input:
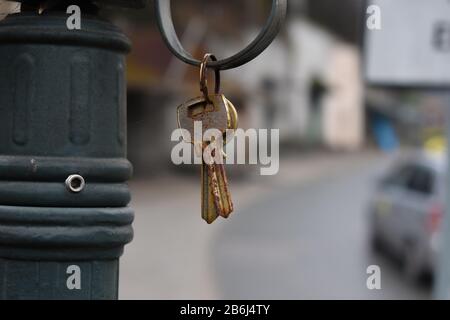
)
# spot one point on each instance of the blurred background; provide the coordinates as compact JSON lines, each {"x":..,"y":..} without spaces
{"x":311,"y":231}
{"x":361,"y":169}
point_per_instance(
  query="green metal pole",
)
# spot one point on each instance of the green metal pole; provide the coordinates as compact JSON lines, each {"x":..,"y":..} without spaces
{"x":64,"y":218}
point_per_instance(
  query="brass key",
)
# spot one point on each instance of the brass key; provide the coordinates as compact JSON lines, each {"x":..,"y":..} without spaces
{"x":225,"y":202}
{"x":209,"y":212}
{"x":214,"y":111}
{"x":218,"y":178}
{"x":218,"y":114}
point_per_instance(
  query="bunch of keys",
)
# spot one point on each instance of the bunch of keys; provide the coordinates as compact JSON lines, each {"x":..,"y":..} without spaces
{"x":215,"y":112}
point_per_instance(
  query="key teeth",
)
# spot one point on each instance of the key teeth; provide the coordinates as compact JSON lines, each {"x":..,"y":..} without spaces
{"x":227,"y":204}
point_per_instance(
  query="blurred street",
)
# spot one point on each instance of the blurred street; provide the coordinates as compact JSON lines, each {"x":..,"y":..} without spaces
{"x":299,"y":235}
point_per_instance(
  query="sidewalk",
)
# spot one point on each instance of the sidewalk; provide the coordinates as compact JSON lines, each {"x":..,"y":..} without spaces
{"x":170,"y":256}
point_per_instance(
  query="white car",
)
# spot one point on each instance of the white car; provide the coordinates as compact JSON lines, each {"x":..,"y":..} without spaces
{"x":406,"y":211}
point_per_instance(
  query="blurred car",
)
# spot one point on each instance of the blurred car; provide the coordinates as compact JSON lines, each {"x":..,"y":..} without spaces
{"x":406,"y":211}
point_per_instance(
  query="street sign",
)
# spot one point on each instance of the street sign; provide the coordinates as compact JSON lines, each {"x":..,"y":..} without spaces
{"x":407,"y":42}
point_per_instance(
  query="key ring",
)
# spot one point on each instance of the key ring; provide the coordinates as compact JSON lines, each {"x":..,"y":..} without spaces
{"x":254,"y":49}
{"x":203,"y":76}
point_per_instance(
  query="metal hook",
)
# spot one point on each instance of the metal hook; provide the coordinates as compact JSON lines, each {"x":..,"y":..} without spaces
{"x":254,"y":49}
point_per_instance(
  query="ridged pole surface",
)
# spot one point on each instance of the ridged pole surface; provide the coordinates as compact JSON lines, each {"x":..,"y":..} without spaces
{"x":62,"y":113}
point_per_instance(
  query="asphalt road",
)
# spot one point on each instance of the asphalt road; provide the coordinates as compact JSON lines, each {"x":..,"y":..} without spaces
{"x":300,"y":235}
{"x":308,"y":242}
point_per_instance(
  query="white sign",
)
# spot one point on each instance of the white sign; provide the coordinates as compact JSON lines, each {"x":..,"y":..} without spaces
{"x":407,"y":42}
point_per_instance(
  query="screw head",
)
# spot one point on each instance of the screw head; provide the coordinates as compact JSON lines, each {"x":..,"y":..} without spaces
{"x":75,"y":183}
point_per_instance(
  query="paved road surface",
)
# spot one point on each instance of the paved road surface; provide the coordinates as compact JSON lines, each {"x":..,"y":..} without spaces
{"x":300,"y":235}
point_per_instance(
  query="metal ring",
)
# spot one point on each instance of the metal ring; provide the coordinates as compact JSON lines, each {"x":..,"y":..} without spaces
{"x":203,"y":76}
{"x":254,"y":49}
